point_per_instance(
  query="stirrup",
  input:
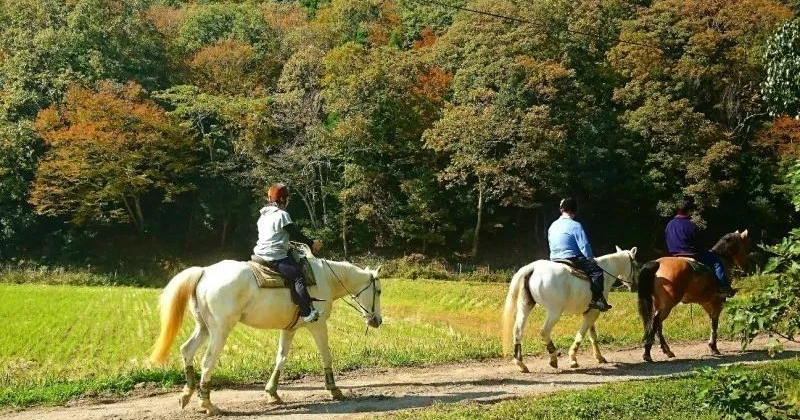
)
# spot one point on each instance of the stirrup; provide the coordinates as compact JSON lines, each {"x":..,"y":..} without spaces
{"x":312,"y":316}
{"x":599,"y":305}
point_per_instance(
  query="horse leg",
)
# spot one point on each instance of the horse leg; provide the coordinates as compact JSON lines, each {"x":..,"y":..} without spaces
{"x":658,"y":326}
{"x":523,"y":310}
{"x":320,"y":333}
{"x":588,"y":321}
{"x":649,"y":338}
{"x":595,"y":347}
{"x":713,"y":310}
{"x":188,"y":350}
{"x":284,"y":344}
{"x":544,"y":332}
{"x":218,"y":336}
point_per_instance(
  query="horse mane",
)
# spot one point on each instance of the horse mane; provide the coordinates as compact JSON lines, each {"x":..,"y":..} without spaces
{"x":728,"y":245}
{"x":339,"y":265}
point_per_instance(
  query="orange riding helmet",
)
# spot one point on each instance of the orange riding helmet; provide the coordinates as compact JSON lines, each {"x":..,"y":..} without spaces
{"x":278,"y":193}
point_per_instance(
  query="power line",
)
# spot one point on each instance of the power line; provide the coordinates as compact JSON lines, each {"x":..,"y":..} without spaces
{"x":540,"y":24}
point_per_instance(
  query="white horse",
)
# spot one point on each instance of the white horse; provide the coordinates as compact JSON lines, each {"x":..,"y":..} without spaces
{"x":226,"y":293}
{"x":551,"y":285}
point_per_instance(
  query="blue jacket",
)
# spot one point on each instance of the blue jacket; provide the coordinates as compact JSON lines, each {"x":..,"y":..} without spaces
{"x":567,"y":239}
{"x":681,"y":236}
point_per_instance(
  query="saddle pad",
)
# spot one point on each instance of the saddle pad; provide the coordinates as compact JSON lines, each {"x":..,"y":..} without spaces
{"x":699,"y":267}
{"x":573,"y":270}
{"x":268,"y":278}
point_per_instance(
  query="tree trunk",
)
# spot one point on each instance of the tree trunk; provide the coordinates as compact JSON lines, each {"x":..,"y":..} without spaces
{"x":224,"y":236}
{"x":344,"y":234}
{"x":322,"y":197}
{"x":131,"y":214}
{"x":310,"y":209}
{"x":477,"y":235}
{"x":137,"y":206}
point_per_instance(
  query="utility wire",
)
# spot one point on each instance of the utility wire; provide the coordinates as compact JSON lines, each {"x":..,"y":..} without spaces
{"x":540,"y":24}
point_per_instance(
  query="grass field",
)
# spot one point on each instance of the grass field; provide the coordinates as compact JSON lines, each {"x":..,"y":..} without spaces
{"x":60,"y":341}
{"x":656,"y":399}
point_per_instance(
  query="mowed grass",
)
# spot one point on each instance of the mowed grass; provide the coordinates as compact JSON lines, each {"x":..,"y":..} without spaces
{"x":57,"y":342}
{"x":676,"y":398}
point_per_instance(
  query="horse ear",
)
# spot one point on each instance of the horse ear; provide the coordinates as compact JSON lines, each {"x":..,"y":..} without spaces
{"x":618,"y":248}
{"x":743,"y":234}
{"x":633,"y":252}
{"x":377,"y":270}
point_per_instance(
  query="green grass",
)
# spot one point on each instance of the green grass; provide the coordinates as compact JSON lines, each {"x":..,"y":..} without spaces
{"x":57,"y":342}
{"x":656,"y":399}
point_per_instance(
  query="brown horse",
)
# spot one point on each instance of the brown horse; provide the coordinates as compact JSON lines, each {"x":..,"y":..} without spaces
{"x":665,"y":282}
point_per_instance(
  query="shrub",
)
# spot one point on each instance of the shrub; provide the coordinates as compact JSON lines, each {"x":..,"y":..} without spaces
{"x":744,"y":395}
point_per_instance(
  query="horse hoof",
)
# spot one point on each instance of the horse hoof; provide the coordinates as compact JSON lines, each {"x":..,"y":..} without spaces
{"x":554,"y":363}
{"x":647,"y":358}
{"x":670,"y":354}
{"x":210,"y":409}
{"x":521,"y":366}
{"x":573,"y":364}
{"x":337,"y":394}
{"x":273,"y":398}
{"x":184,"y":400}
{"x":602,"y":359}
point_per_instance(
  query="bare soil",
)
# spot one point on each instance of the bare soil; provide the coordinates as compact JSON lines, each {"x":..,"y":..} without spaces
{"x":370,"y":393}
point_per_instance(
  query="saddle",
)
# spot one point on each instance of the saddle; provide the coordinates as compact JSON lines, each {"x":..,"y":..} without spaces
{"x":268,"y":277}
{"x":573,"y":269}
{"x":697,"y":266}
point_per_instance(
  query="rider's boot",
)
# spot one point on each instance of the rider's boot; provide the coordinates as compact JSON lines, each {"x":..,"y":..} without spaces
{"x":598,"y":300}
{"x":726,"y":291}
{"x":304,"y":302}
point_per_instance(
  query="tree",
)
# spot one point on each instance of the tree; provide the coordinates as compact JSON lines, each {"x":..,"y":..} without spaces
{"x":113,"y":157}
{"x":775,"y":310}
{"x":20,"y":149}
{"x":233,"y":68}
{"x":781,"y":87}
{"x":229,"y":135}
{"x":49,"y":45}
{"x":500,"y":125}
{"x":692,"y":72}
{"x":379,"y":103}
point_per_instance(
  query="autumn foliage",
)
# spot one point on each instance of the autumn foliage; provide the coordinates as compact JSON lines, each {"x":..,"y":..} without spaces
{"x":400,"y":125}
{"x":111,"y":154}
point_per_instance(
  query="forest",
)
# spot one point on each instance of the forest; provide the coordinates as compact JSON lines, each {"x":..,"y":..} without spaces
{"x":146,"y":129}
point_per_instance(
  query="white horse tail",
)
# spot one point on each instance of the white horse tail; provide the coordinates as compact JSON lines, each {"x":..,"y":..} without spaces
{"x":172,"y":305}
{"x":518,"y":284}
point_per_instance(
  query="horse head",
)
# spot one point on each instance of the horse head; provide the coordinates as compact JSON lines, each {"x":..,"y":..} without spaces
{"x":625,"y":261}
{"x":370,"y":299}
{"x":363,"y":286}
{"x":732,"y":247}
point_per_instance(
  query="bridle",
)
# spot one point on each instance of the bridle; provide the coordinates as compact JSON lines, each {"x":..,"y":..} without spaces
{"x":630,"y":280}
{"x":368,"y":315}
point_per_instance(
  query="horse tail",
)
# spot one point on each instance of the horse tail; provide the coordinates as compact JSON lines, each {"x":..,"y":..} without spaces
{"x":646,"y":286}
{"x":172,"y":305}
{"x":518,"y":284}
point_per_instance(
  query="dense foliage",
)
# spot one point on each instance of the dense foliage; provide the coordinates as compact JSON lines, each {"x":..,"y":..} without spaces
{"x":400,"y":126}
{"x":775,"y":310}
{"x":742,"y":395}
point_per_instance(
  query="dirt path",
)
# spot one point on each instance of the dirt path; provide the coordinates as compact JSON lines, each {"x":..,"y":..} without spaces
{"x":375,"y":392}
